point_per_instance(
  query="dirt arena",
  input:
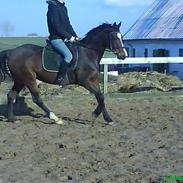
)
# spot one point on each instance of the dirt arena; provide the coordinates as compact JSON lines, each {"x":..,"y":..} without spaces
{"x":145,"y":145}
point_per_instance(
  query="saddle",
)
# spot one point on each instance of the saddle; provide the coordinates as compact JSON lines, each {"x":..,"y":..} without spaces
{"x":52,"y":60}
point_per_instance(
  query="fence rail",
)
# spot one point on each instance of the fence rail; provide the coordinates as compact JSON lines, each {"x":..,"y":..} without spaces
{"x":137,"y":60}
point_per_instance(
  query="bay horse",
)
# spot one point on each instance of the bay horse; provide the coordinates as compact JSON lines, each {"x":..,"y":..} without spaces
{"x":24,"y":64}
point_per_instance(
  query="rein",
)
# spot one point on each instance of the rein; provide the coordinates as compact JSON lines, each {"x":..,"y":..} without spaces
{"x":85,"y":46}
{"x":107,"y":49}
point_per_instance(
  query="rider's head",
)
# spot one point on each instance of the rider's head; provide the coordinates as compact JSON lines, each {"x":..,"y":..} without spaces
{"x":61,"y":1}
{"x":54,"y":1}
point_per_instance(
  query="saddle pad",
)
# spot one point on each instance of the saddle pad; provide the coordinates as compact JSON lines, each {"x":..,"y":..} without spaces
{"x":51,"y":60}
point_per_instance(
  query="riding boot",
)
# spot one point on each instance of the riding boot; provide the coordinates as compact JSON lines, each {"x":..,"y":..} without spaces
{"x":62,"y":73}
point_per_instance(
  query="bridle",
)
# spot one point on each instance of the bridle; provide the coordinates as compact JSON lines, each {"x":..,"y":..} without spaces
{"x":110,"y":44}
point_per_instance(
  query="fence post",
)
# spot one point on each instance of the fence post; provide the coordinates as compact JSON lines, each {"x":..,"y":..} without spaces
{"x":105,"y":78}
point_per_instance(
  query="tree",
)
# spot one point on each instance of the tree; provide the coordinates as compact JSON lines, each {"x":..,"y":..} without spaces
{"x":7,"y":28}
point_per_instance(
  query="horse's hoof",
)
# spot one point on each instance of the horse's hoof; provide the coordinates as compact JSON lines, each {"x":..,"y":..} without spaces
{"x":17,"y":121}
{"x":59,"y":122}
{"x":108,"y":119}
{"x":112,"y":123}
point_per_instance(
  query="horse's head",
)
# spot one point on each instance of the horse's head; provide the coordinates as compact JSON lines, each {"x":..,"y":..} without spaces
{"x":116,"y":42}
{"x":106,"y":36}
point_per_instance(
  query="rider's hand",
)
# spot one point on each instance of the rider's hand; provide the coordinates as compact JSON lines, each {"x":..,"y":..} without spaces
{"x":77,"y":39}
{"x":72,"y":39}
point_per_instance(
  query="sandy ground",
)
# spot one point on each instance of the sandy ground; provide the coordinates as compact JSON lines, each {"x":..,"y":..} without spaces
{"x":145,"y":145}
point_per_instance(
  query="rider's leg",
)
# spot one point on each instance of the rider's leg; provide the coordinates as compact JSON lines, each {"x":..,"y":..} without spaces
{"x":61,"y":47}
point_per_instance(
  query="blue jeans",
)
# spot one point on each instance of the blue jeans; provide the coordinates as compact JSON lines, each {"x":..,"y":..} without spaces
{"x":61,"y":47}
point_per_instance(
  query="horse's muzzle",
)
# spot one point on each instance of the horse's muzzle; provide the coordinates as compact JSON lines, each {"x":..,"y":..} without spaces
{"x":122,"y":54}
{"x":121,"y":57}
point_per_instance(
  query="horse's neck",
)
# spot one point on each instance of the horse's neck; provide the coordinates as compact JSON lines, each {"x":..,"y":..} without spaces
{"x":98,"y":45}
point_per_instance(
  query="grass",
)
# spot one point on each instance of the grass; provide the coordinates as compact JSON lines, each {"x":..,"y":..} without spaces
{"x":12,"y":42}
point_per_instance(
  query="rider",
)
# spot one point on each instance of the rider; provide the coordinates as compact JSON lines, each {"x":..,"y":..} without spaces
{"x":60,"y":30}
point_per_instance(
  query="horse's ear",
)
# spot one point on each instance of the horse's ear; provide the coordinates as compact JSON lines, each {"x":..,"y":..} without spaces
{"x":119,"y":25}
{"x":114,"y":24}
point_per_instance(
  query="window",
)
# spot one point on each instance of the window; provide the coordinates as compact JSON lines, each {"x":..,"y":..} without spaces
{"x":161,"y":53}
{"x":146,"y":52}
{"x":134,"y":52}
{"x":181,"y":52}
{"x":162,"y":68}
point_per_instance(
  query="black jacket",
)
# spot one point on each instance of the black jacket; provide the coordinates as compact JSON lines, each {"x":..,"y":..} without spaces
{"x":58,"y":21}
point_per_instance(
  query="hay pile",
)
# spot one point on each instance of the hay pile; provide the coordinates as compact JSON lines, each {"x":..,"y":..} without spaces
{"x":142,"y":81}
{"x":124,"y":83}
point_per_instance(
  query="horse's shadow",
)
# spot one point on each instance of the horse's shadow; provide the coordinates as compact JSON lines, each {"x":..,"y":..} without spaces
{"x":20,"y":109}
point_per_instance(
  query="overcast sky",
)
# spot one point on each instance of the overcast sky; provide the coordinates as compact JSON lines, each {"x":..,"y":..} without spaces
{"x":29,"y":16}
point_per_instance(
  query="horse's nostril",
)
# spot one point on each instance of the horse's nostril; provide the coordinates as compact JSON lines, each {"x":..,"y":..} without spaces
{"x":121,"y":57}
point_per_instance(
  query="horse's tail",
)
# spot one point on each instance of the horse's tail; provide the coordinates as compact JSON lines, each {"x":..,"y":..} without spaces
{"x":3,"y":65}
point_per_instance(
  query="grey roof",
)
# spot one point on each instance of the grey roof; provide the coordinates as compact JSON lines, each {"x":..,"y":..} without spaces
{"x":163,"y":20}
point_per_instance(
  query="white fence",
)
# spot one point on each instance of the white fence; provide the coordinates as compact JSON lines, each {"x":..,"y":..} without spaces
{"x":137,"y":60}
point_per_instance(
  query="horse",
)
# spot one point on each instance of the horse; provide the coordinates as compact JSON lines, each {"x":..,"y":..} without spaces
{"x":24,"y":65}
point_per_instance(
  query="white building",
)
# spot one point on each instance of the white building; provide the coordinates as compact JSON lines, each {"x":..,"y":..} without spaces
{"x":158,"y":32}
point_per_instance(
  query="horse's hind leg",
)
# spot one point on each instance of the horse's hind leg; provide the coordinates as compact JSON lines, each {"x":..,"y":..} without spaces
{"x":17,"y":87}
{"x":37,"y":100}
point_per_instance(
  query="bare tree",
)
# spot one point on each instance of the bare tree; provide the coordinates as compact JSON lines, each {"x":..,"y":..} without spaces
{"x":7,"y":28}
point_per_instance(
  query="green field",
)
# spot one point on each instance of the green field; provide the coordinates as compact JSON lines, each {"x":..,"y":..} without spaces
{"x":12,"y":42}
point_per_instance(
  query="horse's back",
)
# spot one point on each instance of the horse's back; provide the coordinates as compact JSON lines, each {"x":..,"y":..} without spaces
{"x":24,"y":57}
{"x":25,"y":49}
{"x":24,"y":52}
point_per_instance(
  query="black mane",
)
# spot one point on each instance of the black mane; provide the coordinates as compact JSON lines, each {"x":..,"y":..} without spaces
{"x":101,"y":28}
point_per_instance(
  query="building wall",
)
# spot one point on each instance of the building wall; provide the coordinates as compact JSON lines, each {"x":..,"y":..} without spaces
{"x":140,"y":45}
{"x":172,"y":45}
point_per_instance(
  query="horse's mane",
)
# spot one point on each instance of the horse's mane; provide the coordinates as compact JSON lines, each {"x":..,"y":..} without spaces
{"x":94,"y":31}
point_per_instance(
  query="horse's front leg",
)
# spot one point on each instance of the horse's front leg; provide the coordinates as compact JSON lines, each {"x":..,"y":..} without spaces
{"x":101,"y":108}
{"x":93,"y":86}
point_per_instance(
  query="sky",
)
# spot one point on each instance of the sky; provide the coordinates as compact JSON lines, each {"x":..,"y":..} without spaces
{"x":29,"y":16}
